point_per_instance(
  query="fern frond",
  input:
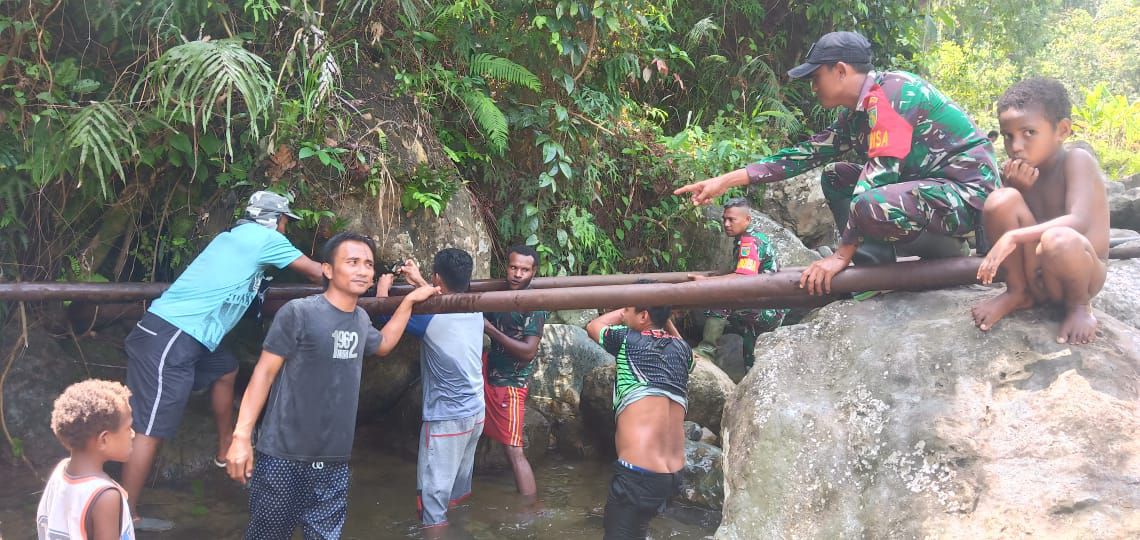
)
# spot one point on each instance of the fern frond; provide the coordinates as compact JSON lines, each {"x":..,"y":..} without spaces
{"x":703,"y":31}
{"x":103,"y":140}
{"x":491,"y":121}
{"x":189,"y":80}
{"x":501,"y":69}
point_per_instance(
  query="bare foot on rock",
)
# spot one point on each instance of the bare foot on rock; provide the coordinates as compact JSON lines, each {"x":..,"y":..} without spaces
{"x":1079,"y":326}
{"x":989,"y":312}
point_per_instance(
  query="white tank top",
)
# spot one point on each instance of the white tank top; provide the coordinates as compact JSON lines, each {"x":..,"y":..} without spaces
{"x":62,"y":514}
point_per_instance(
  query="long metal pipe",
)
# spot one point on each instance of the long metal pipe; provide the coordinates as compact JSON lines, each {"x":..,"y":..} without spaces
{"x":916,"y":275}
{"x":130,"y":292}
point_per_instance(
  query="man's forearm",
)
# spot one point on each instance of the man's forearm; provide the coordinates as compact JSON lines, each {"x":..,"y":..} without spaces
{"x":394,"y":328}
{"x":521,"y":349}
{"x":253,"y":401}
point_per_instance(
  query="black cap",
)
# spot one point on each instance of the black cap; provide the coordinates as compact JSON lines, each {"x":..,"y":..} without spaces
{"x":849,"y":47}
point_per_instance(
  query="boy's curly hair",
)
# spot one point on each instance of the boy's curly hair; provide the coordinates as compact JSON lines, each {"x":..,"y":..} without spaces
{"x":1048,"y":94}
{"x":86,"y":409}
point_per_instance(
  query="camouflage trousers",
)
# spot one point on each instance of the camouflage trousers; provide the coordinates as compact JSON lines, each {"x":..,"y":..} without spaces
{"x":750,"y":323}
{"x":899,"y":212}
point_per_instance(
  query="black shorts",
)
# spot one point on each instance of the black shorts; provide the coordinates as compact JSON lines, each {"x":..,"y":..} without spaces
{"x":636,"y":496}
{"x":164,"y":365}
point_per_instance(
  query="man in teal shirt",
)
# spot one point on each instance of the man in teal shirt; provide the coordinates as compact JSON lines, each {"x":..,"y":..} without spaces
{"x":174,"y":350}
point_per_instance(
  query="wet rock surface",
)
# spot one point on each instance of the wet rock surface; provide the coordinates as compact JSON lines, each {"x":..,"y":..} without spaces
{"x":709,"y":388}
{"x":702,"y":479}
{"x":896,"y":418}
{"x":799,"y":205}
{"x":490,"y":457}
{"x":565,"y":356}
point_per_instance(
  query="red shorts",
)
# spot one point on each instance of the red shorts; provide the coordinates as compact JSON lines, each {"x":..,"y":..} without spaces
{"x":506,"y":406}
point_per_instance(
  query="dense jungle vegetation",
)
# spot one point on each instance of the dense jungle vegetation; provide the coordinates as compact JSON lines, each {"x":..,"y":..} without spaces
{"x":569,"y":121}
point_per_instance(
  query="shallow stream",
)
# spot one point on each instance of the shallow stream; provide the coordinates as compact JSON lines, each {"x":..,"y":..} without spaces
{"x":382,"y":503}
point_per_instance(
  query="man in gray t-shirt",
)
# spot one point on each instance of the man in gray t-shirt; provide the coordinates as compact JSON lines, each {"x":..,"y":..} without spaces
{"x":310,"y":372}
{"x":451,"y":366}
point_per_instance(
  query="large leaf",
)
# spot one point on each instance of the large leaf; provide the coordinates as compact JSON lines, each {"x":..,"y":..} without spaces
{"x":488,"y":117}
{"x":191,"y":79}
{"x":102,"y":139}
{"x":501,"y":69}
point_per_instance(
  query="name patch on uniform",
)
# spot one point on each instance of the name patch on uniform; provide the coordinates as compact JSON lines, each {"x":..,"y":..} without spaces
{"x":890,"y":133}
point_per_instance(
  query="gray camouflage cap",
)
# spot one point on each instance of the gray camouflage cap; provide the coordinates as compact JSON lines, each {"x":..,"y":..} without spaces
{"x":267,"y":202}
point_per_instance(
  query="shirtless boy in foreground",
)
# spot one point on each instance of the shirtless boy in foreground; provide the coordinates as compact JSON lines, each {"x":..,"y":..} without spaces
{"x":650,"y":399}
{"x":1049,"y":227}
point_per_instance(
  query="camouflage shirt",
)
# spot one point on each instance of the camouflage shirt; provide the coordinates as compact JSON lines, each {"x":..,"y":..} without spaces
{"x":754,"y":253}
{"x":904,"y":129}
{"x":502,"y":368}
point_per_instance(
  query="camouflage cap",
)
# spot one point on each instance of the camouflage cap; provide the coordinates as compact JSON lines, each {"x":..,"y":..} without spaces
{"x":267,"y":202}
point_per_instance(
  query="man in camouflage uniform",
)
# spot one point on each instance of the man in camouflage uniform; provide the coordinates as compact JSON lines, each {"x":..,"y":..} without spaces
{"x":753,"y":254}
{"x":926,"y":168}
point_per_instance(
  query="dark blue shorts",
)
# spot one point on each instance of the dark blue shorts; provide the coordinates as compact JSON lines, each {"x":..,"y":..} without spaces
{"x":164,"y":365}
{"x":283,"y":493}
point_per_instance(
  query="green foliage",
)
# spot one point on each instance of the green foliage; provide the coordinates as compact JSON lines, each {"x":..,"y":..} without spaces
{"x":980,"y":49}
{"x":975,"y":76}
{"x":326,"y":155}
{"x":1111,"y":124}
{"x":191,"y":79}
{"x":103,"y":140}
{"x":501,"y":69}
{"x":428,"y":190}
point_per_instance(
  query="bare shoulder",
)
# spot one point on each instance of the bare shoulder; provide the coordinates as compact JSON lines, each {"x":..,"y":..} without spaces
{"x":107,"y":508}
{"x":1081,"y":164}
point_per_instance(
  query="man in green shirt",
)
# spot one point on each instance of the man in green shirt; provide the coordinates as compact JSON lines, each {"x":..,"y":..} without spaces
{"x":925,"y":169}
{"x":508,"y":364}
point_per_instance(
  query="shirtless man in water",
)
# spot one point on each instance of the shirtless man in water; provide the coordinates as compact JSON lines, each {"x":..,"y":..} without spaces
{"x":650,"y":388}
{"x":1049,"y":227}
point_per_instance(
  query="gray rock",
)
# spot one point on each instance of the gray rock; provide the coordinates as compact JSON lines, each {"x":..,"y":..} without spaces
{"x":730,"y":356}
{"x":49,"y":365}
{"x":597,"y":410}
{"x":708,"y":437}
{"x":565,"y":356}
{"x":1124,"y":203}
{"x":692,"y":430}
{"x":709,"y":388}
{"x":798,"y":204}
{"x":419,"y":235}
{"x":489,"y":455}
{"x":573,"y":317}
{"x":702,"y":479}
{"x":1120,"y":236}
{"x":896,"y":418}
{"x":1120,"y":296}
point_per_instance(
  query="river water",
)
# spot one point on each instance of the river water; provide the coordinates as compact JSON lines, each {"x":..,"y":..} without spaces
{"x":382,"y":503}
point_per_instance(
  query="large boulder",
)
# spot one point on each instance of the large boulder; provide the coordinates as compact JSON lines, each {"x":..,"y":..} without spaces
{"x":573,"y":317}
{"x":702,"y":479}
{"x":1124,"y":202}
{"x":709,"y":388}
{"x":489,"y":456}
{"x":565,"y":355}
{"x":41,"y":372}
{"x":1120,"y":296}
{"x":798,"y":204}
{"x":896,"y":418}
{"x":597,"y":410}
